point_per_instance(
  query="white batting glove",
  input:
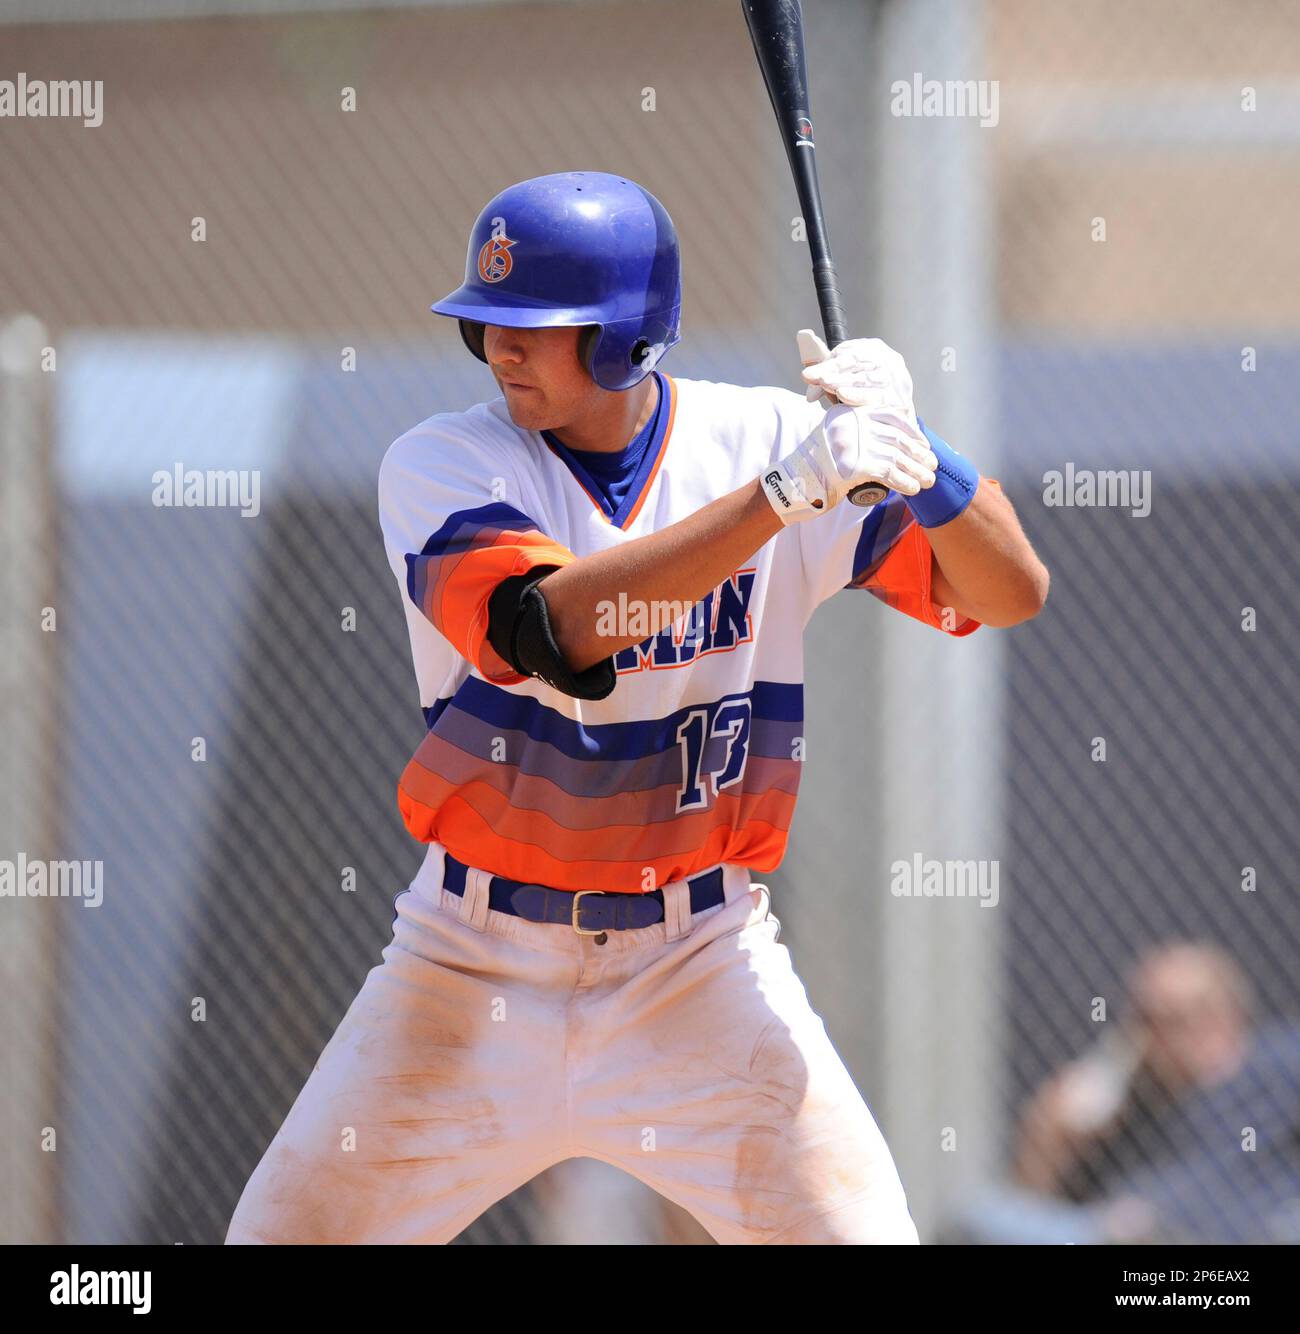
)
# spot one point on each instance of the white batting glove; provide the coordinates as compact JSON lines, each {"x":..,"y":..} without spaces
{"x":848,"y":447}
{"x":881,"y":442}
{"x":862,"y":373}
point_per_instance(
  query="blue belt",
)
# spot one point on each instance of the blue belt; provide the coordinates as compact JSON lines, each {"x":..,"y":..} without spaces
{"x":590,"y":912}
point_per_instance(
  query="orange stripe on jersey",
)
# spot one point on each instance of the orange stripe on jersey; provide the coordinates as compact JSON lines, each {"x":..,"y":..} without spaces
{"x":472,"y":822}
{"x":901,"y":577}
{"x":594,"y":806}
{"x":454,"y":576}
{"x":465,"y":584}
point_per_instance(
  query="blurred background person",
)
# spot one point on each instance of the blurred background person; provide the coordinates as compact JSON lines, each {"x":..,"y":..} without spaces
{"x":1125,"y":1104}
{"x":1169,"y":1129}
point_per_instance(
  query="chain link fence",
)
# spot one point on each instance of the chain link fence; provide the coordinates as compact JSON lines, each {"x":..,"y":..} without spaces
{"x":1075,"y":221}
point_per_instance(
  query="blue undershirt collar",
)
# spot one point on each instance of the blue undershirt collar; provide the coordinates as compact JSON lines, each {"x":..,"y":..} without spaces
{"x":615,"y":480}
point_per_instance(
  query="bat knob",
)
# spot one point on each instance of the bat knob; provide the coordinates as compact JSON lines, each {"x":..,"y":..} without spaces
{"x":868,"y":494}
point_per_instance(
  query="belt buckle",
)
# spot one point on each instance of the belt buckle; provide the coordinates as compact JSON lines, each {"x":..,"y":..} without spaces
{"x":578,"y":896}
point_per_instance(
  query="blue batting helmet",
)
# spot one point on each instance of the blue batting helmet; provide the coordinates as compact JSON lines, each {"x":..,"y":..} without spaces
{"x":576,"y":248}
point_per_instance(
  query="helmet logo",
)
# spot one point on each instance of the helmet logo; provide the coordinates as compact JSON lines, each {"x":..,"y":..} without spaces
{"x":494,"y":260}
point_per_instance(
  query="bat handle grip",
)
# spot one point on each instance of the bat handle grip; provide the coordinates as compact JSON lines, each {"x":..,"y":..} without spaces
{"x":836,"y":325}
{"x":834,"y":321}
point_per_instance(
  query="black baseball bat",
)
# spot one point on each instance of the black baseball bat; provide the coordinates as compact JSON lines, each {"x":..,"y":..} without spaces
{"x":776,"y":29}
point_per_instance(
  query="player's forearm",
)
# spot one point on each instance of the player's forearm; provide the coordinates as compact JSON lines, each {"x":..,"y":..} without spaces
{"x":985,"y":567}
{"x":611,"y":599}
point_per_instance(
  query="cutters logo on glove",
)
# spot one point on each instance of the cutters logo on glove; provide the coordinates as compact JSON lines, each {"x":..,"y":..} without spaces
{"x":773,"y":480}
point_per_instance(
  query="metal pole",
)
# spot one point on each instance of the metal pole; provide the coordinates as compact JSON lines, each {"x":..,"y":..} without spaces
{"x":28,"y":927}
{"x":941,"y":744}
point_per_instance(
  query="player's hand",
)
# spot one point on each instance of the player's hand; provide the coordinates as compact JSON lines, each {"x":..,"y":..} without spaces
{"x":862,"y":373}
{"x":850,"y":446}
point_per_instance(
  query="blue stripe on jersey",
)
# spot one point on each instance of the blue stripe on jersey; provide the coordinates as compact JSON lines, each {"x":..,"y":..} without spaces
{"x":771,"y":701}
{"x":458,"y":530}
{"x":434,"y":711}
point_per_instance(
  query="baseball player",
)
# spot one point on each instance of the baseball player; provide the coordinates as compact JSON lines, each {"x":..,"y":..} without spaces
{"x":606,"y":573}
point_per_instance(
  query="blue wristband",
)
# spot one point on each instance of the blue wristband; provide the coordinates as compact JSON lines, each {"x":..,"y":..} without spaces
{"x":955,"y":481}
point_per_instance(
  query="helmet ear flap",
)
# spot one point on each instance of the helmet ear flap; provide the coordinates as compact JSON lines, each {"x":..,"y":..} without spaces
{"x":472,"y":334}
{"x":587,"y":344}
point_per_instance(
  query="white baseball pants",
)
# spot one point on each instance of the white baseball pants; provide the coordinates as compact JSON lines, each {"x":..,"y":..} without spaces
{"x":485,"y":1048}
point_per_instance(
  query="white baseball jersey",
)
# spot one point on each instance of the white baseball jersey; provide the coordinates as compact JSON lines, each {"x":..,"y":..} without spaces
{"x":693,"y":760}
